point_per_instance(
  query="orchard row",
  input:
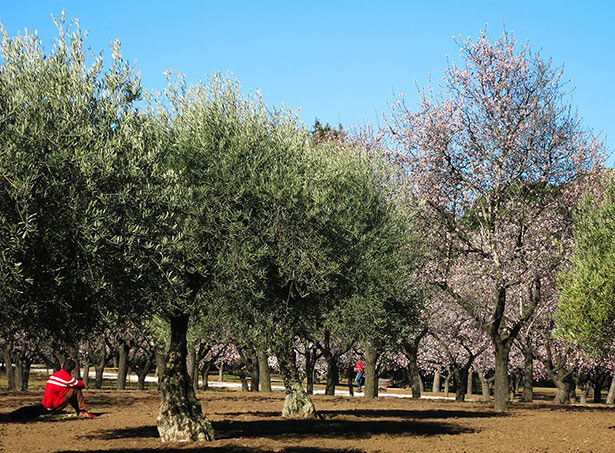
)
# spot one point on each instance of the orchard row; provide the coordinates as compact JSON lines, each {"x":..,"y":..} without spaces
{"x":178,"y":223}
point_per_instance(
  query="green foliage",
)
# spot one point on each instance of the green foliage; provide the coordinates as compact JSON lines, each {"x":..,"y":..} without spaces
{"x":206,"y":203}
{"x":55,"y":109}
{"x":586,"y":311}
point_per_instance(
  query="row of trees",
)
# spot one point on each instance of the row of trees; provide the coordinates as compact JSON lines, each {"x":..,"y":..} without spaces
{"x":201,"y":204}
{"x":437,"y":241}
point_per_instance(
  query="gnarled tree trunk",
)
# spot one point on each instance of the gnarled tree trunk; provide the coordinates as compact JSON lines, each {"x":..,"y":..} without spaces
{"x":411,"y":350}
{"x":297,"y":403}
{"x":180,"y":418}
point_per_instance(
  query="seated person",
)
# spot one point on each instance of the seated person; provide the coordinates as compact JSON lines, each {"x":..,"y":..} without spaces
{"x":62,"y":389}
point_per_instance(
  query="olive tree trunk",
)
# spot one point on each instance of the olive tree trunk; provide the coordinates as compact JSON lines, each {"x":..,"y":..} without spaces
{"x":180,"y":418}
{"x":264,"y":376}
{"x":74,"y":355}
{"x":161,"y":366}
{"x":86,"y":372}
{"x":122,"y":366}
{"x":332,"y":374}
{"x":8,"y":363}
{"x":371,"y":377}
{"x":297,"y":403}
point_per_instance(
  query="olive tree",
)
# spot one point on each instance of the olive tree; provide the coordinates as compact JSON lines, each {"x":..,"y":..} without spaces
{"x":55,"y":108}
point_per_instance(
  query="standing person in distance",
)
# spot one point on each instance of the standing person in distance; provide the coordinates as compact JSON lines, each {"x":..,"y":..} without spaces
{"x":359,"y":368}
{"x":62,"y":389}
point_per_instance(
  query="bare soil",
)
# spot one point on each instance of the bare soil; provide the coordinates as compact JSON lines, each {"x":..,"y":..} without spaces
{"x":251,"y":422}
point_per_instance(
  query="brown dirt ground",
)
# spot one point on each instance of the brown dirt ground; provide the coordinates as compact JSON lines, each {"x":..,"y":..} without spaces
{"x":252,"y":422}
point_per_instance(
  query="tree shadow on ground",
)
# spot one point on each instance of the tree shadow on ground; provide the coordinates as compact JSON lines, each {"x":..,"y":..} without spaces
{"x":384,"y":413}
{"x":294,"y":428}
{"x":223,"y":449}
{"x":564,"y":407}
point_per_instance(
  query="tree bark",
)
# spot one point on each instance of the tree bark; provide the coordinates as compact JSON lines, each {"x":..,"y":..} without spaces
{"x":562,"y":378}
{"x":245,"y":387}
{"x":485,"y":387}
{"x":413,"y":372}
{"x":435,"y":387}
{"x":501,"y":393}
{"x":332,"y":374}
{"x":610,"y":398}
{"x":528,"y":375}
{"x":583,"y":387}
{"x":86,"y":372}
{"x":254,"y":371}
{"x":221,"y":372}
{"x":563,"y":391}
{"x":310,"y":365}
{"x":350,"y":381}
{"x":447,"y":382}
{"x":191,"y":365}
{"x":371,"y":377}
{"x":264,"y":375}
{"x":73,"y":353}
{"x":142,"y":374}
{"x":180,"y":418}
{"x":100,"y":368}
{"x":461,"y":382}
{"x":598,"y":389}
{"x":161,"y":366}
{"x":122,"y":366}
{"x":205,"y":375}
{"x":8,"y":363}
{"x":470,"y":386}
{"x":297,"y":403}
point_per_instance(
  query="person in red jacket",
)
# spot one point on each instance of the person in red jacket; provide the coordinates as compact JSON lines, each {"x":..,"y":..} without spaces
{"x":62,"y":389}
{"x":359,"y":368}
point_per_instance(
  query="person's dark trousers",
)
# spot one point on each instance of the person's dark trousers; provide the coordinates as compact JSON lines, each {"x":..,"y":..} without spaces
{"x":74,"y":397}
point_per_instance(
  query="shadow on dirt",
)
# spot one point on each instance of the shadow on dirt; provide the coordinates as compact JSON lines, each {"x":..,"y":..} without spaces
{"x":281,"y":429}
{"x":388,"y":413}
{"x":564,"y":407}
{"x":221,"y":450}
{"x":293,"y":428}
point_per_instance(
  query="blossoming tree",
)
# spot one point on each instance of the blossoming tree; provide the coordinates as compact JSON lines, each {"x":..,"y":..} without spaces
{"x":486,"y":155}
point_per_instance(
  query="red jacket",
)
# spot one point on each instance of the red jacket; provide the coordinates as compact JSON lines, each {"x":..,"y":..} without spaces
{"x":57,"y":386}
{"x":359,"y":367}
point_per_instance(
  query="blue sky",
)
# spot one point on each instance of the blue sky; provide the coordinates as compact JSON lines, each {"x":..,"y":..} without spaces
{"x":339,"y":61}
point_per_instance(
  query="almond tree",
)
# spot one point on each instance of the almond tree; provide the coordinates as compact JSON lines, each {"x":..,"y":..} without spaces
{"x":485,"y":156}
